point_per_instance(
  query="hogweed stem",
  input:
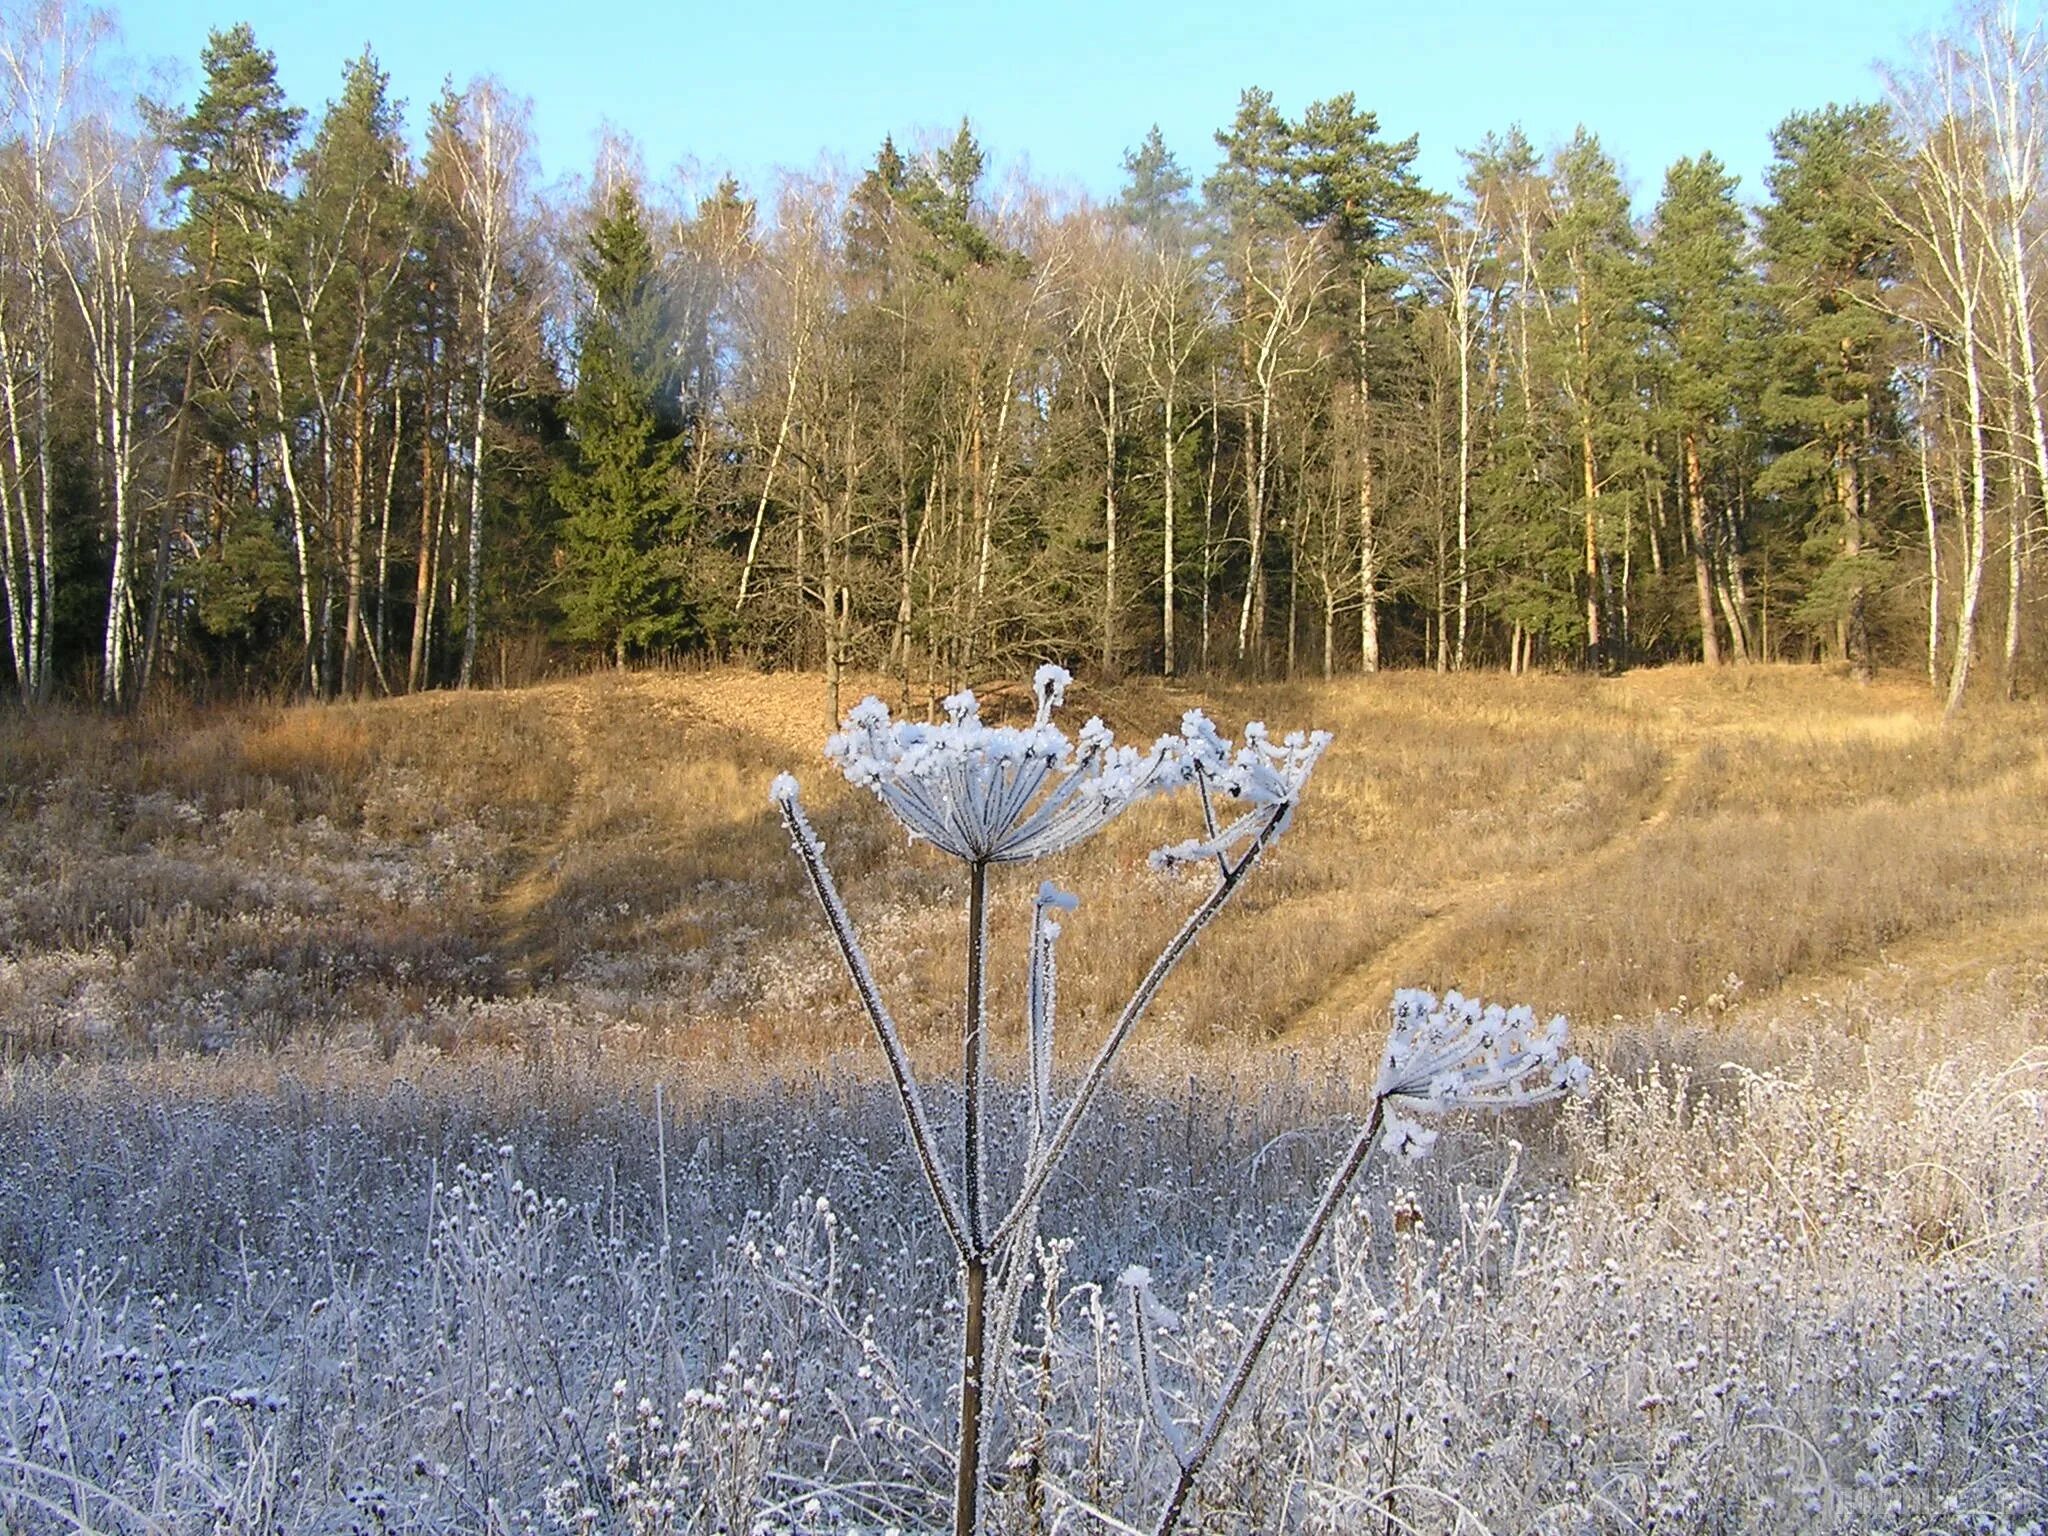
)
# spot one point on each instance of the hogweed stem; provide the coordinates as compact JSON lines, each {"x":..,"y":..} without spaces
{"x":1006,"y":795}
{"x":811,"y":853}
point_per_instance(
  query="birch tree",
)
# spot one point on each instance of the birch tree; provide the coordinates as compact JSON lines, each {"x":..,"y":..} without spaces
{"x":486,"y":148}
{"x":1940,"y":209}
{"x":2006,"y":67}
{"x":1107,"y":328}
{"x":105,"y":252}
{"x":1456,"y":249}
{"x":46,"y":53}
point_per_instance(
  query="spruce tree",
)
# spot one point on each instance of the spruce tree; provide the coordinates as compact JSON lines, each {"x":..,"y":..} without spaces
{"x":1154,"y":199}
{"x":622,"y":577}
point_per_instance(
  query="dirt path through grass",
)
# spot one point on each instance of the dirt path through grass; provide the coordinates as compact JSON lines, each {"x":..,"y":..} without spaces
{"x":523,"y":943}
{"x":1357,"y":1000}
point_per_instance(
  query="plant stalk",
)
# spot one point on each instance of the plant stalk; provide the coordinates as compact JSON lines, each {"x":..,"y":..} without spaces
{"x":1276,"y":1304}
{"x":974,"y":1262}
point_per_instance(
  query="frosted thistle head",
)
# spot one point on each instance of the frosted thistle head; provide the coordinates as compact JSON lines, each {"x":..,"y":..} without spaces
{"x":998,"y":794}
{"x":1462,"y":1054}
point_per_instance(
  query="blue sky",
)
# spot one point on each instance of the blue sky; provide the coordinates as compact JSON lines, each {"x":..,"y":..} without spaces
{"x":1065,"y":86}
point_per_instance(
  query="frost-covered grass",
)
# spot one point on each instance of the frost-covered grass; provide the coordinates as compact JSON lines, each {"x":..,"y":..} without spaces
{"x":331,"y":1293}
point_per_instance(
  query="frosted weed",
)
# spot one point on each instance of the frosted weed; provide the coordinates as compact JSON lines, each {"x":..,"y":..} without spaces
{"x":990,"y":795}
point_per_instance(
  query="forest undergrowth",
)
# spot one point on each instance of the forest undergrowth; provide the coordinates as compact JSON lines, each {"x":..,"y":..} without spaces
{"x":445,"y":1115}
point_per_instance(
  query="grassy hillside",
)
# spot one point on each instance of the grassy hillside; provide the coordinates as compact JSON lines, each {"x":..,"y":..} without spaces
{"x":600,"y":854}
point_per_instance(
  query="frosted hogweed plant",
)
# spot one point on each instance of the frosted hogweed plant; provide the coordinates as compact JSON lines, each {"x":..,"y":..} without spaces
{"x":1439,"y":1058}
{"x":990,"y":795}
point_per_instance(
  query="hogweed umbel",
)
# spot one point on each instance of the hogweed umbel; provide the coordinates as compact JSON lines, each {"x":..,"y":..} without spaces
{"x":991,"y":795}
{"x":999,"y":794}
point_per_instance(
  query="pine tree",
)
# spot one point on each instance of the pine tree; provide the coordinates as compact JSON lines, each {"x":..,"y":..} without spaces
{"x":231,"y":151}
{"x":1526,"y":472}
{"x":1831,"y":253}
{"x":1704,"y":300}
{"x":352,"y":230}
{"x":1594,"y":335}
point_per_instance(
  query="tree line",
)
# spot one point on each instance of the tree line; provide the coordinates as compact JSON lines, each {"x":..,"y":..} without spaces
{"x":286,"y":407}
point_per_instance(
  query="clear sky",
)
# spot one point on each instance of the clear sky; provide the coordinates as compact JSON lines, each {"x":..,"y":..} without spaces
{"x":1065,"y":86}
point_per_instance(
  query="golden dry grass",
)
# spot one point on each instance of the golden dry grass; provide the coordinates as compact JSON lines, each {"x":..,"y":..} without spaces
{"x":469,"y":868}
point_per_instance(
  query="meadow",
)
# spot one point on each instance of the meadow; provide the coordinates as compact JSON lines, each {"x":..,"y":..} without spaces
{"x":448,"y":1114}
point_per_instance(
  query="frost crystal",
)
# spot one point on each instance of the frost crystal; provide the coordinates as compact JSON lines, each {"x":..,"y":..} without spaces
{"x":1268,"y":778}
{"x":1462,"y":1054}
{"x":1005,"y":794}
{"x":1002,"y":795}
{"x":1407,"y":1138}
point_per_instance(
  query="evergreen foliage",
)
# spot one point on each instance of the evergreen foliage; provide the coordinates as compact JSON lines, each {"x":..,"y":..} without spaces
{"x":621,"y":510}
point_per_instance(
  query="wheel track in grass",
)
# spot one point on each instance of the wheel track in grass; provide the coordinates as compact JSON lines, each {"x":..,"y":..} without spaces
{"x":518,"y":909}
{"x":1358,"y":998}
{"x":608,"y":724}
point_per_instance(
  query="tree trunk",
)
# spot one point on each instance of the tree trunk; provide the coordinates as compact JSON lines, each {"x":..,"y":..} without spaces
{"x":1110,"y":533}
{"x":288,"y":470}
{"x":352,"y":621}
{"x":1462,"y":308}
{"x":1973,"y":531}
{"x":2015,"y":572}
{"x":474,"y":573}
{"x":174,"y":478}
{"x":1368,"y":546}
{"x":1595,"y":638}
{"x":1849,"y":493}
{"x":1933,"y":561}
{"x":1254,"y":580}
{"x":1702,"y":553}
{"x":768,"y":477}
{"x":1209,"y":519}
{"x":379,"y":639}
{"x":1166,"y":550}
{"x":430,"y":539}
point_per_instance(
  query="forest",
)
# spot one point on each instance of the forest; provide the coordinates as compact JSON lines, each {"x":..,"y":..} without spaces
{"x":291,"y":406}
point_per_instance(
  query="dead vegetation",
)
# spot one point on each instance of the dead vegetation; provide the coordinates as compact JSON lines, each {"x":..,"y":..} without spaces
{"x":496,"y":1032}
{"x":439,"y":869}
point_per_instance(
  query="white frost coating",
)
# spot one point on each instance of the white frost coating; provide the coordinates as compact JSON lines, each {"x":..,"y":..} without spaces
{"x":1000,"y":794}
{"x":784,"y":790}
{"x":1137,"y":1277}
{"x":1267,"y":777}
{"x":1462,"y":1054}
{"x":993,"y":794}
{"x":1050,"y":685}
{"x":1148,"y":1315}
{"x":1041,"y":1003}
{"x":1050,"y":895}
{"x":1407,"y":1138}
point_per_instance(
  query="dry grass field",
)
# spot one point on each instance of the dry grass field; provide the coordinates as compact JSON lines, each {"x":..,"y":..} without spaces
{"x":330,"y":1040}
{"x":454,"y":870}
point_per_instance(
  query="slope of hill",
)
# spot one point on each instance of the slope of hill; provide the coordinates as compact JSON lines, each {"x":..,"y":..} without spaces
{"x":446,"y":1115}
{"x":463,"y":869}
